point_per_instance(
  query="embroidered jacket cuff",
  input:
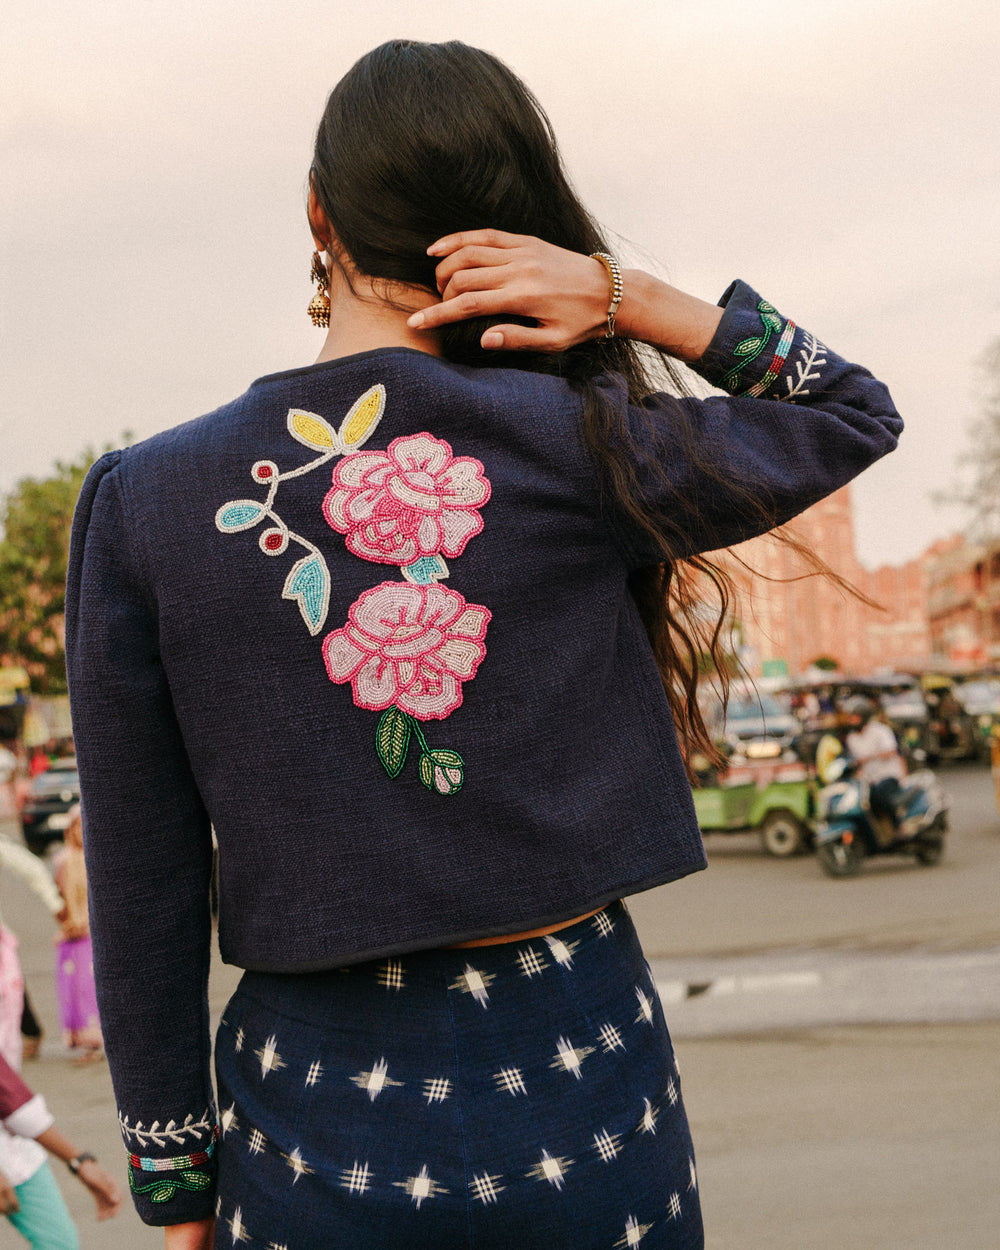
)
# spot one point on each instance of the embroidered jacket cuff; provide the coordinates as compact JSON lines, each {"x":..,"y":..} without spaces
{"x":30,"y":1119}
{"x":174,"y":1189}
{"x":756,"y":351}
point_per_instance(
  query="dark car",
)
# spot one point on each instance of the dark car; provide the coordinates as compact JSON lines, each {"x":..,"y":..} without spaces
{"x":45,"y":815}
{"x":757,"y":725}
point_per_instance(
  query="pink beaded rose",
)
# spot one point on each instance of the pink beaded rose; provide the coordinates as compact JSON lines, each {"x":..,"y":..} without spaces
{"x":414,"y":499}
{"x":408,"y":646}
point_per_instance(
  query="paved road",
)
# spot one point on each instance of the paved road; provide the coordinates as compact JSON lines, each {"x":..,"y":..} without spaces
{"x":826,"y":1111}
{"x":747,"y":901}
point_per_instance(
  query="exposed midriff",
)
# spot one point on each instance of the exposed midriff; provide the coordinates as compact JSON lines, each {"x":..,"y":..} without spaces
{"x":529,"y":933}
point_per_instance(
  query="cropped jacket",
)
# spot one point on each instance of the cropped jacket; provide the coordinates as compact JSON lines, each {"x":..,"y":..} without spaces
{"x":371,"y":623}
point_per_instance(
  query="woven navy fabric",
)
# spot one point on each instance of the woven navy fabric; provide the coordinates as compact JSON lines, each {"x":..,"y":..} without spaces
{"x":371,"y":622}
{"x":522,"y":1096}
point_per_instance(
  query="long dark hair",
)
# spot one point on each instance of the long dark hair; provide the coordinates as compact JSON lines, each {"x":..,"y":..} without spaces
{"x":420,"y":140}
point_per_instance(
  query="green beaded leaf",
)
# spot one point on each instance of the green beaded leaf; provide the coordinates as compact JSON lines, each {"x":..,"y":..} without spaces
{"x":772,"y":321}
{"x":392,"y":740}
{"x":427,"y":771}
{"x":197,"y":1180}
{"x":164,"y":1190}
{"x":765,"y":307}
{"x":748,"y":347}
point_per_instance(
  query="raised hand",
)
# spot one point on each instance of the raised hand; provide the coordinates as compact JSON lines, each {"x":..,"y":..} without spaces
{"x":489,"y":273}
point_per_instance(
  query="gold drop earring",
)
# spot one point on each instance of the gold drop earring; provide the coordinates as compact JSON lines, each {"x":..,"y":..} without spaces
{"x":319,"y":305}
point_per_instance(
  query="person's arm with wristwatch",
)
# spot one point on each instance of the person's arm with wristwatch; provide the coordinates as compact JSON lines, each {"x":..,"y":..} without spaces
{"x":25,"y":1114}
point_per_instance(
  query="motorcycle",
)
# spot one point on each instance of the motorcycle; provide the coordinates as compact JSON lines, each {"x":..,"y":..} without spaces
{"x":849,"y":829}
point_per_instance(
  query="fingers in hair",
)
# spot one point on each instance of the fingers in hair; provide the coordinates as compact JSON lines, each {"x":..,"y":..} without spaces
{"x":474,"y":238}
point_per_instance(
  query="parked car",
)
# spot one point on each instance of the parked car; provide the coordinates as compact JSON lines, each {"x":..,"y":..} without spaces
{"x":756,"y":725}
{"x":45,"y":815}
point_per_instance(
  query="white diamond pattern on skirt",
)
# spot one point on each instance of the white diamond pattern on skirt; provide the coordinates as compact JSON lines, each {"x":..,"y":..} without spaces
{"x":476,"y":983}
{"x":610,"y":1038}
{"x":633,"y":1235}
{"x":532,"y":963}
{"x":485,"y":1188}
{"x":437,"y":1089}
{"x":606,"y":1145}
{"x":375,"y":1081}
{"x":488,"y":1186}
{"x":357,"y":1180}
{"x":421,"y":1186}
{"x":570,"y":1058}
{"x":550,"y":1169}
{"x":603,"y":923}
{"x":391,"y":974}
{"x":562,"y":952}
{"x":510,"y":1080}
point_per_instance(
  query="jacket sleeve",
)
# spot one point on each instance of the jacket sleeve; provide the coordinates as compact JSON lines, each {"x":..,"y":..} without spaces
{"x":22,"y":1112}
{"x":797,"y":422}
{"x":147,"y":841}
{"x":32,"y":871}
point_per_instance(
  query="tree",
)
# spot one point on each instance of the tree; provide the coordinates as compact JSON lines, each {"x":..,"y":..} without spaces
{"x":37,"y":515}
{"x":980,"y":492}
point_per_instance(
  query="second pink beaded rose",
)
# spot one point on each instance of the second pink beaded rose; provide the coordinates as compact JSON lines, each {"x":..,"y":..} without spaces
{"x":410,"y":647}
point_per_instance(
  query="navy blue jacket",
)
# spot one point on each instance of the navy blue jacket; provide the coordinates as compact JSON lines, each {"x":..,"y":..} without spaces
{"x":370,"y":622}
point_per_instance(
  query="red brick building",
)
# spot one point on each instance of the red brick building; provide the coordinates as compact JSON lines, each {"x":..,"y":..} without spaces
{"x":963,"y":601}
{"x":788,"y":618}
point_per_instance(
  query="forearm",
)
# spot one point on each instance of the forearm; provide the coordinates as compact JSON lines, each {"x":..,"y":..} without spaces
{"x":655,"y":312}
{"x":87,"y":1170}
{"x":56,"y":1144}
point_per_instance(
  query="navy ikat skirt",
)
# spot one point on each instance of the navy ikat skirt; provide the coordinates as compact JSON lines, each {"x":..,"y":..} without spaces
{"x":521,"y":1096}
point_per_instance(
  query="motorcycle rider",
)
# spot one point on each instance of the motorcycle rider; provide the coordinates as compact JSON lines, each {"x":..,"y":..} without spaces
{"x":876,"y":750}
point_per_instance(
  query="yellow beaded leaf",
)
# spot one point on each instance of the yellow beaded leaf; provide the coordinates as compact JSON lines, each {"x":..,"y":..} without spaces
{"x":312,"y":430}
{"x":364,"y":416}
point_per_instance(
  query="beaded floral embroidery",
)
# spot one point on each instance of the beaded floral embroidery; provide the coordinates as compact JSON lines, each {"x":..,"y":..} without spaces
{"x":412,"y":500}
{"x":750,"y":349}
{"x":407,"y":646}
{"x":180,"y":1169}
{"x":406,"y":649}
{"x":308,"y":580}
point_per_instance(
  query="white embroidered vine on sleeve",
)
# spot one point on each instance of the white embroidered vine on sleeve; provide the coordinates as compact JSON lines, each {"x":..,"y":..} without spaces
{"x":812,"y":356}
{"x":171,"y":1132}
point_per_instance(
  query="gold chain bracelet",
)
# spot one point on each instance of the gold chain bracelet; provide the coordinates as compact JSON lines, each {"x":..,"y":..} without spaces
{"x":617,"y":287}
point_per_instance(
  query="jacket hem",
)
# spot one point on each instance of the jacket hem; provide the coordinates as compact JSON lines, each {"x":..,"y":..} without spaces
{"x":537,"y":920}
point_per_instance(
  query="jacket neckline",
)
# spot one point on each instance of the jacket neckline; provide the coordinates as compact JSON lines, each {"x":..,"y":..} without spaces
{"x":324,"y":366}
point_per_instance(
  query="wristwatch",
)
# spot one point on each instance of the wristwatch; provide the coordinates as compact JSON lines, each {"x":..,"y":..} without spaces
{"x":77,"y":1161}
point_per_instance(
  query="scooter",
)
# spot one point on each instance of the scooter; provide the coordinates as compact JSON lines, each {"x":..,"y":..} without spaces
{"x":848,"y":829}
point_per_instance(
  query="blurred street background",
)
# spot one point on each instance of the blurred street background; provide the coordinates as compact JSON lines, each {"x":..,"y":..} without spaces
{"x":839,"y":1043}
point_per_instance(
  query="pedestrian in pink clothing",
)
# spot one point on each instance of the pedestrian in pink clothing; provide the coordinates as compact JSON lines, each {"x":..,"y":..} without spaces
{"x":74,"y":955}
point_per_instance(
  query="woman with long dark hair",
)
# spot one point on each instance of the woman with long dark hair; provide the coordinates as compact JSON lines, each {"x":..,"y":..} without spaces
{"x":417,"y":628}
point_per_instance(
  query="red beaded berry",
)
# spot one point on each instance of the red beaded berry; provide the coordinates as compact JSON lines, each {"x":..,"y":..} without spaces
{"x":273,"y":542}
{"x":264,"y":471}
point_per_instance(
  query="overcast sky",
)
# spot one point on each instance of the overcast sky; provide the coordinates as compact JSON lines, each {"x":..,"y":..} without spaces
{"x":841,"y":156}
